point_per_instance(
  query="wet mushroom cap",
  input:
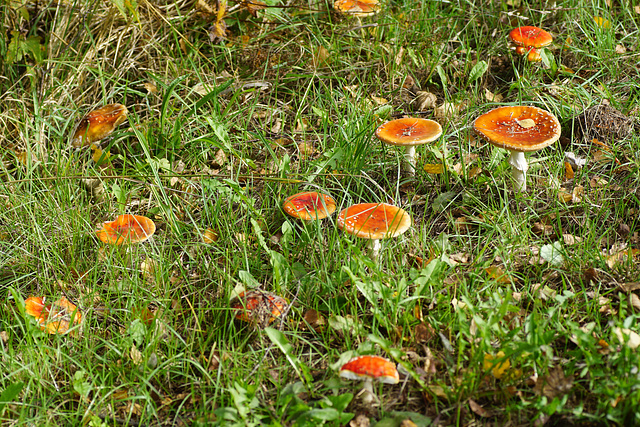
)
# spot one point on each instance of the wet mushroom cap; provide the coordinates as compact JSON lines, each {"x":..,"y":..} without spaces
{"x":409,"y":131}
{"x":309,"y":205}
{"x":127,"y":229}
{"x":99,"y":124}
{"x":374,"y":220}
{"x":529,"y":36}
{"x":255,"y":305}
{"x":520,"y":128}
{"x":373,"y":367}
{"x":357,"y":8}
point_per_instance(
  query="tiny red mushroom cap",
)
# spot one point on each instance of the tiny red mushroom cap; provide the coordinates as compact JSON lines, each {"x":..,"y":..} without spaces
{"x":309,"y":205}
{"x":530,"y":36}
{"x":99,"y":124}
{"x":519,"y":128}
{"x":126,"y":229}
{"x":370,"y":367}
{"x":374,"y":220}
{"x":258,"y":306}
{"x":409,"y":131}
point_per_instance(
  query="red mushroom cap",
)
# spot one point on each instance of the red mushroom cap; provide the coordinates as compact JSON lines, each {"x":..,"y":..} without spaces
{"x":374,"y":220}
{"x":310,"y":205}
{"x":53,"y":318}
{"x":126,"y":229}
{"x":357,"y":7}
{"x":520,"y":128}
{"x":99,"y":124}
{"x":529,"y":36}
{"x":409,"y":131}
{"x":370,"y":367}
{"x":259,"y":307}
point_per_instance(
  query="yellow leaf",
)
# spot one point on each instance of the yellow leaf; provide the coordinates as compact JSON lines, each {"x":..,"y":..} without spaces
{"x":601,"y":22}
{"x":498,"y":369}
{"x":497,"y":274}
{"x":434,"y":169}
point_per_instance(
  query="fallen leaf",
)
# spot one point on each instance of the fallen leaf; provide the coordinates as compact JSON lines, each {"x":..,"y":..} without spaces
{"x":620,"y":49}
{"x":496,"y":273}
{"x":634,"y":300}
{"x":568,"y":171}
{"x":491,"y":97}
{"x":320,"y":57}
{"x":210,"y":236}
{"x":496,"y":365}
{"x":628,"y":337}
{"x":602,"y":22}
{"x":253,"y":6}
{"x":526,"y":123}
{"x":555,"y":383}
{"x":150,"y":87}
{"x":621,"y":256}
{"x":425,"y":100}
{"x":434,"y":169}
{"x":478,"y":410}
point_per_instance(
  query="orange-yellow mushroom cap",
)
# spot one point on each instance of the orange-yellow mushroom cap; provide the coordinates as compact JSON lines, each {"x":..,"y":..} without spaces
{"x":126,"y":229}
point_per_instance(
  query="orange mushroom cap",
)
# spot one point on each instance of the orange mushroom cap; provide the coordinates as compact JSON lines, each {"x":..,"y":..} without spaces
{"x":529,"y":36}
{"x":126,"y":229}
{"x":99,"y":124}
{"x":370,"y":367}
{"x":258,"y":306}
{"x":520,"y":128}
{"x":53,"y":318}
{"x":357,"y":8}
{"x":409,"y":131}
{"x":309,"y":205}
{"x":374,"y":220}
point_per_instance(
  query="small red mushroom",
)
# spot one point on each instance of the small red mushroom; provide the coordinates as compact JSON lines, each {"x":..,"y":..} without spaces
{"x":259,"y":307}
{"x":408,"y":133}
{"x":309,"y":206}
{"x":374,"y":221}
{"x":54,"y":318}
{"x":528,"y":40}
{"x":126,"y":229}
{"x":99,"y":124}
{"x":367,"y":369}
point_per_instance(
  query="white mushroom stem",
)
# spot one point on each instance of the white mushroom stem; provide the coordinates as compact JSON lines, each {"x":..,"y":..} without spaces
{"x":519,"y":167}
{"x":368,"y":396}
{"x":374,"y":248}
{"x":410,"y":159}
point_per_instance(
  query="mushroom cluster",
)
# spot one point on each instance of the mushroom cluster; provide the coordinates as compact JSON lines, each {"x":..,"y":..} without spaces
{"x":528,"y":40}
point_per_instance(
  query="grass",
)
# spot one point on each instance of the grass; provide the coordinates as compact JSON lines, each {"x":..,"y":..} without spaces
{"x":501,"y":307}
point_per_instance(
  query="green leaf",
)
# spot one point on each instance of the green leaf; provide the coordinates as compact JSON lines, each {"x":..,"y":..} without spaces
{"x":80,"y":383}
{"x":10,"y":393}
{"x":477,"y":71}
{"x":279,"y":339}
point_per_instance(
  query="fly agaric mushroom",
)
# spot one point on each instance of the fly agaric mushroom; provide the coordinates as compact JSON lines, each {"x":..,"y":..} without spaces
{"x":309,"y":206}
{"x":519,"y":129}
{"x":126,"y":229}
{"x":407,"y":133}
{"x":54,"y":318}
{"x":259,"y":307}
{"x":99,"y":124}
{"x":368,"y":368}
{"x":357,"y":8}
{"x":528,"y":40}
{"x":374,"y":221}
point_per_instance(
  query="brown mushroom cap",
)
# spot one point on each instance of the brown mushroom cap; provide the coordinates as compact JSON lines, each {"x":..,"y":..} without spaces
{"x":99,"y":124}
{"x":126,"y":229}
{"x":309,"y":205}
{"x":374,"y":220}
{"x":520,"y":128}
{"x":370,"y":367}
{"x":409,"y":131}
{"x":529,"y":36}
{"x":357,"y":8}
